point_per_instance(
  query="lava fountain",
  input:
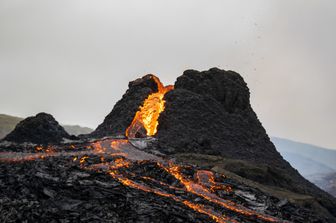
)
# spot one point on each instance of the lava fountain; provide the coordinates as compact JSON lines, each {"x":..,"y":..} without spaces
{"x":146,"y":118}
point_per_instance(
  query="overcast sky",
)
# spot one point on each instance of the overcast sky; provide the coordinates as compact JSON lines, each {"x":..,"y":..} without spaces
{"x":74,"y":58}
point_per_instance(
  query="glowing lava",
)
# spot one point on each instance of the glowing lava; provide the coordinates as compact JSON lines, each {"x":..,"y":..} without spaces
{"x":200,"y":190}
{"x":117,"y":157}
{"x":148,"y":114}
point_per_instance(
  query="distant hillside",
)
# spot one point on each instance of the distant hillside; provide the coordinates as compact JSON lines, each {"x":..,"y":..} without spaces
{"x":305,"y":165}
{"x":316,"y":164}
{"x":318,"y":154}
{"x":8,"y":123}
{"x":76,"y":129}
{"x":328,"y":182}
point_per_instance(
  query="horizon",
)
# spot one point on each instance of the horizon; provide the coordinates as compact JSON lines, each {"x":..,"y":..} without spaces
{"x":78,"y":65}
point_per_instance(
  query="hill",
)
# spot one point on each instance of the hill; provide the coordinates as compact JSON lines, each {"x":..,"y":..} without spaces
{"x":40,"y":129}
{"x":315,"y":153}
{"x":76,"y":129}
{"x":317,"y":164}
{"x":8,"y":123}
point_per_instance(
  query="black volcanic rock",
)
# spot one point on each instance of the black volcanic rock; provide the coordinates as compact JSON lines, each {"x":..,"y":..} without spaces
{"x":210,"y":113}
{"x":227,"y":87}
{"x":40,"y":129}
{"x":121,"y":116}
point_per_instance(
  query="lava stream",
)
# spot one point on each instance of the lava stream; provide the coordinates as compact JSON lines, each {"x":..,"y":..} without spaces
{"x":124,"y":155}
{"x":199,"y":190}
{"x":196,"y":207}
{"x":148,"y":114}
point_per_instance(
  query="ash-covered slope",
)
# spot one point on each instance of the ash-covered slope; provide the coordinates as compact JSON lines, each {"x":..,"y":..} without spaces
{"x":117,"y":121}
{"x":40,"y":129}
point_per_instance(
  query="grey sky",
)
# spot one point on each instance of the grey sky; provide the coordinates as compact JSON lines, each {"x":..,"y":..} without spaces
{"x":74,"y":58}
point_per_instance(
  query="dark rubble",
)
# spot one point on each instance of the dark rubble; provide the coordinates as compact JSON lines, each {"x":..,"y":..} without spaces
{"x":67,"y":194}
{"x":59,"y":189}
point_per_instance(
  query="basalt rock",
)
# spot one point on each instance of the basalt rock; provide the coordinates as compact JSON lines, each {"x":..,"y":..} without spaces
{"x":40,"y":129}
{"x":121,"y":116}
{"x":210,"y":113}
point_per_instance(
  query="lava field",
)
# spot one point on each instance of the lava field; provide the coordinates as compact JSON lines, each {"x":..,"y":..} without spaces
{"x":113,"y":181}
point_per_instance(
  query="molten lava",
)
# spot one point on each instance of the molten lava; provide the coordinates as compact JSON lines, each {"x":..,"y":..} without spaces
{"x":117,"y":156}
{"x":148,"y":114}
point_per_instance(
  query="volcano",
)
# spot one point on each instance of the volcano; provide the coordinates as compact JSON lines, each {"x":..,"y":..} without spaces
{"x":192,"y":152}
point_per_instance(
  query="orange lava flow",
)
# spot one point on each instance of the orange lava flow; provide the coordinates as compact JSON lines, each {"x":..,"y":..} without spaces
{"x":148,"y":114}
{"x":116,"y":143}
{"x":200,"y":190}
{"x":207,"y":179}
{"x":203,"y":185}
{"x":196,"y":207}
{"x":83,"y":159}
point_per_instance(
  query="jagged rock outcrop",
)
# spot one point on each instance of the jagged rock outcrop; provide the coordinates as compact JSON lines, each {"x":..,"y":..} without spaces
{"x":121,"y":116}
{"x":209,"y":112}
{"x":40,"y":129}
